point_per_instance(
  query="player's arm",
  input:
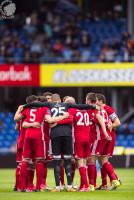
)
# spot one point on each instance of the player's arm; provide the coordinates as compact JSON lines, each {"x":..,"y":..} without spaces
{"x":103,"y":126}
{"x":31,"y":124}
{"x":17,"y":126}
{"x":68,"y":120}
{"x":81,"y":106}
{"x":50,"y":119}
{"x":37,"y":105}
{"x":18,"y":115}
{"x":114,"y":118}
{"x":116,"y":123}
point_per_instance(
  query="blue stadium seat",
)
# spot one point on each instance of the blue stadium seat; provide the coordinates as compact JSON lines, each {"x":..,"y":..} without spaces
{"x":130,"y":137}
{"x":120,"y":137}
{"x":131,"y":143}
{"x":124,"y":143}
{"x":131,"y":127}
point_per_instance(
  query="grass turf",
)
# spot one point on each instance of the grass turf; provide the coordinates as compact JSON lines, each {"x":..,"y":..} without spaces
{"x":125,"y":192}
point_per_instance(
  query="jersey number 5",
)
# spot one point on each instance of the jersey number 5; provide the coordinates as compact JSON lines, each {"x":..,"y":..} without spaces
{"x":32,"y":115}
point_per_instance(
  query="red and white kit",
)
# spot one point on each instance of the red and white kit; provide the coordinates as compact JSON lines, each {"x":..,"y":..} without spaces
{"x":34,"y":136}
{"x":20,"y":141}
{"x":81,"y":132}
{"x":100,"y":145}
{"x":112,"y":115}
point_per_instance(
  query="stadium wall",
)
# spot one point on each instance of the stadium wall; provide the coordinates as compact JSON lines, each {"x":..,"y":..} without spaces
{"x":67,"y":75}
{"x":122,"y":161}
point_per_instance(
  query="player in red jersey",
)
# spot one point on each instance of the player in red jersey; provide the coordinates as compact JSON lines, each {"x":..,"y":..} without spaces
{"x":20,"y":144}
{"x":100,"y":139}
{"x":101,"y":101}
{"x":46,"y":130}
{"x":33,"y":143}
{"x":81,"y":138}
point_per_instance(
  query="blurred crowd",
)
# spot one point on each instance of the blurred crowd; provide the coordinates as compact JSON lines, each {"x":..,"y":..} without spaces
{"x":49,"y":36}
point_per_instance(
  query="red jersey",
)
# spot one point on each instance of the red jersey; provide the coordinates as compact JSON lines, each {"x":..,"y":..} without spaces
{"x":46,"y":130}
{"x":35,"y":115}
{"x":81,"y":124}
{"x":111,"y":112}
{"x":21,"y":136}
{"x":95,"y":126}
{"x":112,"y":115}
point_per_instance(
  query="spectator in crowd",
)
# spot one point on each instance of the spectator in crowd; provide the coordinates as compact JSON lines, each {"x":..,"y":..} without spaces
{"x":107,"y":54}
{"x":51,"y":35}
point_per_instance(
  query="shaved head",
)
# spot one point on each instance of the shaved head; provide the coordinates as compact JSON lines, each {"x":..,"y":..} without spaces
{"x":56,"y":98}
{"x":70,"y":100}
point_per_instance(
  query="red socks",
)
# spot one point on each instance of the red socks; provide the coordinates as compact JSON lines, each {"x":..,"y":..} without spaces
{"x":43,"y":180}
{"x":91,"y":174}
{"x":39,"y":174}
{"x":30,"y":178}
{"x":83,"y":176}
{"x":95,"y":177}
{"x":24,"y":175}
{"x":110,"y":171}
{"x":17,"y":175}
{"x":103,"y":176}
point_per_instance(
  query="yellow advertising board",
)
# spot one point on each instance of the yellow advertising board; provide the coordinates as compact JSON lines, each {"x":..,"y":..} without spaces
{"x":85,"y":74}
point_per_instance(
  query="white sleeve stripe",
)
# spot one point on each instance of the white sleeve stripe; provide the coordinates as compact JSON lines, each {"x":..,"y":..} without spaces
{"x":113,"y":116}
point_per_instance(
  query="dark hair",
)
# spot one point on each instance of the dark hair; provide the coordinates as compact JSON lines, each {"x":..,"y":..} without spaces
{"x":31,"y":98}
{"x":42,"y":99}
{"x":47,"y":94}
{"x":91,"y":96}
{"x":101,"y":97}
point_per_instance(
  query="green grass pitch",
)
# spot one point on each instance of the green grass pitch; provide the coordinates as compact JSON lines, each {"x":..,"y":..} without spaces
{"x":125,"y":192}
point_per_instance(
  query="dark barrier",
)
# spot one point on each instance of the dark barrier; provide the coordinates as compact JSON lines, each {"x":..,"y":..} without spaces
{"x":9,"y":161}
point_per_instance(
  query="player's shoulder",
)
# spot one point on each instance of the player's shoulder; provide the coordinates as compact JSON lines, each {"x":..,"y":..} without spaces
{"x":93,"y":112}
{"x":109,"y":108}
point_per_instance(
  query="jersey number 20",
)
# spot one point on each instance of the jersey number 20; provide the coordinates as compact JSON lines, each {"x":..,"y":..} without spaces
{"x":83,"y":120}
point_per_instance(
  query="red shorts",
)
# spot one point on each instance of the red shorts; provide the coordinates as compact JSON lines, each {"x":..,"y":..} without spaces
{"x":112,"y":144}
{"x":101,"y":147}
{"x":47,"y":151}
{"x":19,"y":154}
{"x":82,"y":149}
{"x":33,"y":147}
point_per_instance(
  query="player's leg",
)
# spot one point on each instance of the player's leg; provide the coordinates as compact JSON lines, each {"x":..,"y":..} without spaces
{"x":73,"y":163}
{"x":67,"y":151}
{"x":108,"y":167}
{"x":43,"y":180}
{"x":111,"y":150}
{"x":27,"y":150}
{"x":103,"y":186}
{"x":31,"y":171}
{"x":38,"y":148}
{"x":80,"y":154}
{"x":56,"y":150}
{"x":17,"y":171}
{"x":17,"y":177}
{"x":92,"y":171}
{"x":62,"y":181}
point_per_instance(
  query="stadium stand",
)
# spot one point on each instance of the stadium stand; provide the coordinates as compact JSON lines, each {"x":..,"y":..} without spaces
{"x":8,"y":134}
{"x":45,"y":36}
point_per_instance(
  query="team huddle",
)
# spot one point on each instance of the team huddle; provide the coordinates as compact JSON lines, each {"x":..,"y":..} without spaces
{"x":71,"y":135}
